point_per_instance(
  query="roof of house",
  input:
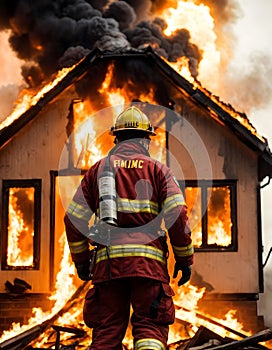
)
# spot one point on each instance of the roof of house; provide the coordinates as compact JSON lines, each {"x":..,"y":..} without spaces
{"x":224,"y":113}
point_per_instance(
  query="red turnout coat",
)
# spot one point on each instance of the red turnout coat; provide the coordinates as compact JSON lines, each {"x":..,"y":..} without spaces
{"x":147,"y":194}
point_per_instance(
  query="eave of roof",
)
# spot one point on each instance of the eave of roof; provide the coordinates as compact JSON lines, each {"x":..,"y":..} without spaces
{"x":218,"y":110}
{"x":7,"y":133}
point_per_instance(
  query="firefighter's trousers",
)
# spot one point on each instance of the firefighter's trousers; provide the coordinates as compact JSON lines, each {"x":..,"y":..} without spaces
{"x":107,"y":311}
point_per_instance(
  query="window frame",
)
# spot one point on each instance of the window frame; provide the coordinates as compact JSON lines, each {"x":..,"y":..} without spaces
{"x":204,"y":185}
{"x":54,"y":174}
{"x":22,"y":183}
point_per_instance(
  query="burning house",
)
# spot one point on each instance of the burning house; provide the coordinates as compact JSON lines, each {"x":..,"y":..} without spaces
{"x":55,"y":134}
{"x":217,"y":155}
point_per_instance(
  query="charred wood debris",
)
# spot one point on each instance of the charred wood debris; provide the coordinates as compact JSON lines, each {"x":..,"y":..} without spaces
{"x":203,"y":339}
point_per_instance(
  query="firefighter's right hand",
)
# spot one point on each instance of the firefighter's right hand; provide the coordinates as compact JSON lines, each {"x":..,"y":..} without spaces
{"x":83,"y":271}
{"x":186,"y":273}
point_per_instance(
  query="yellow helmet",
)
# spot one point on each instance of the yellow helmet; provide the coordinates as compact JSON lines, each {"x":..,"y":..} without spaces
{"x":132,"y":119}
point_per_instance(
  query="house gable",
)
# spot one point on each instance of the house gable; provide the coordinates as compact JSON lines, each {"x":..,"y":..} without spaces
{"x":224,"y":114}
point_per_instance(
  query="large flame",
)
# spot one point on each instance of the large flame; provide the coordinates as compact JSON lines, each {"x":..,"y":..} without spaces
{"x":30,"y":98}
{"x":186,"y":301}
{"x":198,"y":20}
{"x":60,"y":296}
{"x":91,"y":138}
{"x":219,"y":219}
{"x":20,"y":233}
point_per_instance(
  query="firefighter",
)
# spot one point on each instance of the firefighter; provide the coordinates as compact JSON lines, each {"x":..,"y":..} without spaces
{"x":130,"y":275}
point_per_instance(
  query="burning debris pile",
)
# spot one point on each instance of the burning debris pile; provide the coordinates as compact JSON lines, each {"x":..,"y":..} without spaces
{"x":63,"y":327}
{"x":66,"y":330}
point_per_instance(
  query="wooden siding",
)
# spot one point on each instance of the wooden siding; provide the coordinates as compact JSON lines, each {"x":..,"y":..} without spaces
{"x":32,"y":153}
{"x":226,"y":272}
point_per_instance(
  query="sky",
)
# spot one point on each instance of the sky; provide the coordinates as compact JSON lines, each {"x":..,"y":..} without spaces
{"x":253,"y":33}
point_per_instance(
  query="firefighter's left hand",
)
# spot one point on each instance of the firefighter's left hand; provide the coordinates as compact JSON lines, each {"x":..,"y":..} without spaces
{"x":186,"y":273}
{"x":83,"y":271}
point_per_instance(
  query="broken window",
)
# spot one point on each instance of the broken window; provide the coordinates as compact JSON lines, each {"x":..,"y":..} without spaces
{"x":212,"y":214}
{"x":21,"y":224}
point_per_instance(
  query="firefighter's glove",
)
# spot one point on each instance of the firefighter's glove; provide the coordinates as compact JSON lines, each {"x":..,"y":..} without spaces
{"x":83,"y":271}
{"x":186,"y":273}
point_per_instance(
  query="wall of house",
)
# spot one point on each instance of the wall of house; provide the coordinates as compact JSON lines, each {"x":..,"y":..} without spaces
{"x":203,"y":148}
{"x":16,"y":309}
{"x":200,"y":148}
{"x":33,"y":153}
{"x":211,"y":151}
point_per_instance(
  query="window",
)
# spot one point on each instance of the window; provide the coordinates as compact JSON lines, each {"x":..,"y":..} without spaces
{"x":21,"y":224}
{"x":212,"y":214}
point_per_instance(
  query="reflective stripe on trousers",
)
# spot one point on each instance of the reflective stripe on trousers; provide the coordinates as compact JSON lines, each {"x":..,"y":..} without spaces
{"x":149,"y":344}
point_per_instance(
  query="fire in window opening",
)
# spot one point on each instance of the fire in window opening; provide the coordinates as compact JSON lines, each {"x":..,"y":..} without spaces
{"x":21,"y":221}
{"x":212,"y":214}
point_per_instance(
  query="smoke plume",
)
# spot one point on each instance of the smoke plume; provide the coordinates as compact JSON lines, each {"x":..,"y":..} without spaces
{"x":48,"y":35}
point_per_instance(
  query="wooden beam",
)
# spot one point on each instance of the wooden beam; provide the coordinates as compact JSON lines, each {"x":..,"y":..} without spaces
{"x":20,"y":340}
{"x":253,"y":339}
{"x":214,"y":321}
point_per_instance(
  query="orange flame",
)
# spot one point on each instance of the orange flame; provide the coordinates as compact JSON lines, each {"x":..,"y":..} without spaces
{"x":84,"y":136}
{"x":30,"y":99}
{"x":20,"y":235}
{"x":219,"y":216}
{"x":65,"y":277}
{"x":198,"y":21}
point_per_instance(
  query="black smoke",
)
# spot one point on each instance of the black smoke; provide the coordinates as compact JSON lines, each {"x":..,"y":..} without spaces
{"x":48,"y":35}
